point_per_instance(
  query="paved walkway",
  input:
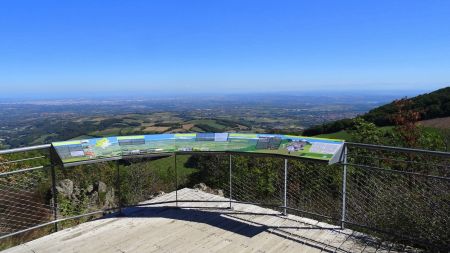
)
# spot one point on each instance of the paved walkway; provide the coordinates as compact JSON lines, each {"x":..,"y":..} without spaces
{"x":211,"y":228}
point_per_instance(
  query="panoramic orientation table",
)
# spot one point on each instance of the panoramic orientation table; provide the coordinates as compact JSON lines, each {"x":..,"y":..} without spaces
{"x":74,"y":152}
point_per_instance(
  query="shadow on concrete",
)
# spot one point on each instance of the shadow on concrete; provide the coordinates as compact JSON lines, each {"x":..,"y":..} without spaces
{"x":212,"y":218}
{"x":223,"y":219}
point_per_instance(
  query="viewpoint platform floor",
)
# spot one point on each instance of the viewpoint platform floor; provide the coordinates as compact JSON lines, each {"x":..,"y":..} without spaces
{"x":207,"y":228}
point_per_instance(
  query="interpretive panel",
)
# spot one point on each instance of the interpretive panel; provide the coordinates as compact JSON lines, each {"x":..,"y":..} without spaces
{"x":122,"y":146}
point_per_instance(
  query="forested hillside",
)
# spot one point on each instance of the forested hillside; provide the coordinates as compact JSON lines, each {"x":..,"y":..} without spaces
{"x":427,"y":106}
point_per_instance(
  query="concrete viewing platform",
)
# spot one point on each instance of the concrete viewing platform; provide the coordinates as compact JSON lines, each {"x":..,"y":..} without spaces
{"x":209,"y":227}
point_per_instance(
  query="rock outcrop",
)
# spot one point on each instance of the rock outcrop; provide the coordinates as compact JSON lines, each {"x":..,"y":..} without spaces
{"x":203,"y":187}
{"x":65,"y":188}
{"x":92,"y":197}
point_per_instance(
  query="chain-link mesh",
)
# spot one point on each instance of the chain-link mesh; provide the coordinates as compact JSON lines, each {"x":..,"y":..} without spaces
{"x":85,"y":189}
{"x":25,"y":195}
{"x":258,"y":180}
{"x":390,"y":194}
{"x":145,"y":178}
{"x":205,"y":173}
{"x":24,"y":201}
{"x":405,"y":195}
{"x":315,"y":189}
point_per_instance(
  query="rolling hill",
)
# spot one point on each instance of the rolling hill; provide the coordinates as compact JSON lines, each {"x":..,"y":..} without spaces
{"x":441,"y":123}
{"x":431,"y":106}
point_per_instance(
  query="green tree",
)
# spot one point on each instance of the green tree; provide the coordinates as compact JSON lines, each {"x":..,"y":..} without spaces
{"x":365,"y":132}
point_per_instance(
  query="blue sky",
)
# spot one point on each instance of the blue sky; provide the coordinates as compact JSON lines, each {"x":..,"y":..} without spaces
{"x":150,"y":47}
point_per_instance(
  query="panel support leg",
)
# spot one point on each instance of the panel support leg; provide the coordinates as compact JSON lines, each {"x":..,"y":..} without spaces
{"x":230,"y":183}
{"x":344,"y":187}
{"x":55,"y":196}
{"x":118,"y":188}
{"x":176,"y":178}
{"x":285,"y":187}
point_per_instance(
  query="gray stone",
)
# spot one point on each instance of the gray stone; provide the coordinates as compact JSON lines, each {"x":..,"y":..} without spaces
{"x":201,"y":187}
{"x":76,"y":192}
{"x":90,"y":188}
{"x":93,"y":201}
{"x":101,"y":187}
{"x":204,"y":188}
{"x":159,"y":193}
{"x":65,"y":187}
{"x":109,"y":199}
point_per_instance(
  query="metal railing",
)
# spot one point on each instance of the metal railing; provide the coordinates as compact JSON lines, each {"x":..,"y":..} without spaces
{"x":395,"y":194}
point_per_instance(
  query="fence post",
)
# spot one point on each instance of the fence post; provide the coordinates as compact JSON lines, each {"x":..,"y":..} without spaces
{"x":230,"y":181}
{"x":118,"y":187}
{"x":55,"y":195}
{"x":285,"y":186}
{"x":344,"y":186}
{"x":176,"y":178}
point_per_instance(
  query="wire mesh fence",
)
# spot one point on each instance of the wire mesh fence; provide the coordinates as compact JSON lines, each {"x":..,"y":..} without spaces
{"x":25,"y":195}
{"x":143,"y":179}
{"x":24,"y":200}
{"x":404,"y":195}
{"x":258,"y":180}
{"x":391,"y":194}
{"x":315,"y":190}
{"x":85,"y":189}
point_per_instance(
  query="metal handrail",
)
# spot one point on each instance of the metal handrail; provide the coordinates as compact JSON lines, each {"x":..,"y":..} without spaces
{"x":396,"y":171}
{"x":23,"y":160}
{"x":353,"y":144}
{"x":24,"y":149}
{"x":284,"y":207}
{"x":4,"y":174}
{"x":398,"y":149}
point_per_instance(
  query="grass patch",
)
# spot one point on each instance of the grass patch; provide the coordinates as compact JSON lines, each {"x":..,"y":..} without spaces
{"x":161,"y":166}
{"x":345,"y":135}
{"x":208,"y":125}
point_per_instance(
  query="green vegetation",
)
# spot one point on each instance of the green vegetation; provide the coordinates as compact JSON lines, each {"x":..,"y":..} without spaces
{"x":314,"y":187}
{"x":347,"y":134}
{"x":184,"y":168}
{"x":393,"y":202}
{"x":26,"y":123}
{"x":378,"y":199}
{"x":343,"y":135}
{"x":414,"y":136}
{"x":432,"y":105}
{"x":88,"y":188}
{"x":50,"y":130}
{"x":428,"y":106}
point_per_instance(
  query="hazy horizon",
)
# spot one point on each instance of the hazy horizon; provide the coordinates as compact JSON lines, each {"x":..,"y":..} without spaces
{"x":398,"y":93}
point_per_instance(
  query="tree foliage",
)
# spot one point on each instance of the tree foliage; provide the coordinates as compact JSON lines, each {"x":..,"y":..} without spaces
{"x":365,"y":132}
{"x":427,"y":106}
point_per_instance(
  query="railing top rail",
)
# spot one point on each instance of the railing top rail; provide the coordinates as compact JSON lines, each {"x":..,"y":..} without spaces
{"x":24,"y":149}
{"x":381,"y":184}
{"x":399,"y":149}
{"x":351,"y":144}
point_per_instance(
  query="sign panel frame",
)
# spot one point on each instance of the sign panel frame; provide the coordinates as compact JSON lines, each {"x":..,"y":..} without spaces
{"x":119,"y":147}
